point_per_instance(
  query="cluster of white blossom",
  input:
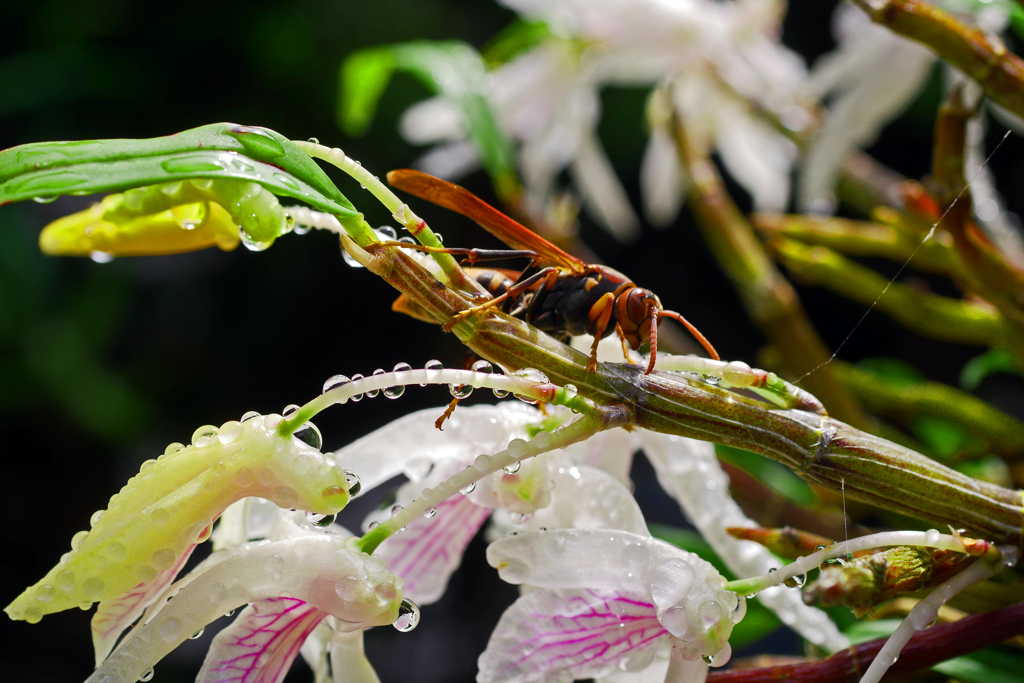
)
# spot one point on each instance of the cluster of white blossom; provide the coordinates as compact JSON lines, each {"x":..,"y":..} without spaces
{"x":723,"y":70}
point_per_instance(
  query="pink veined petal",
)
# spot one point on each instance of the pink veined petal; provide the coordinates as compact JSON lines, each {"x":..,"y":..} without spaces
{"x":557,"y":635}
{"x":113,"y":616}
{"x":262,"y":643}
{"x":427,"y":553}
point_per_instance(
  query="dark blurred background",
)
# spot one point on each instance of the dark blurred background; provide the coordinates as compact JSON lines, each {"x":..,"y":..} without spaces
{"x":102,"y":365}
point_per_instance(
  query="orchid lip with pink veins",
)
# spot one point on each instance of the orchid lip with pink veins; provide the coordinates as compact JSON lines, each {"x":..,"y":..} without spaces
{"x":606,"y":601}
{"x":290,"y":585}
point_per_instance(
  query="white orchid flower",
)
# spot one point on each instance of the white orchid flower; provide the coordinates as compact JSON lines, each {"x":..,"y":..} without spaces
{"x":548,"y":99}
{"x":290,"y":586}
{"x":558,"y":489}
{"x":607,"y":601}
{"x":872,"y":77}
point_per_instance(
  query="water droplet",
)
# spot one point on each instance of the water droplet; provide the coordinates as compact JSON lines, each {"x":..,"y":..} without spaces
{"x":738,"y":374}
{"x":44,"y":200}
{"x":395,"y":391}
{"x":797,"y":581}
{"x":96,"y":517}
{"x":708,"y":659}
{"x":93,"y":588}
{"x":460,"y":391}
{"x":482,"y":462}
{"x":500,"y":393}
{"x":251,"y":243}
{"x":468,"y":489}
{"x":146,"y":675}
{"x":78,"y":538}
{"x":570,"y":391}
{"x":408,"y":616}
{"x":204,"y":436}
{"x":249,"y":416}
{"x":372,"y":525}
{"x":387,"y":232}
{"x":820,"y":547}
{"x":517,"y":448}
{"x":373,"y":392}
{"x":335,"y":381}
{"x":309,"y":435}
{"x":289,"y":410}
{"x":395,"y":509}
{"x":320,"y":521}
{"x":518,"y":517}
{"x":229,"y":431}
{"x":931,"y":537}
{"x":923,"y":616}
{"x":173,"y":448}
{"x":101,"y":256}
{"x":433,"y":368}
{"x":353,"y":483}
{"x":302,"y":229}
{"x":430,"y":512}
{"x":711,"y":379}
{"x":355,"y":378}
{"x":230,"y":613}
{"x":482,"y":366}
{"x":533,"y":375}
{"x":314,"y":141}
{"x":513,"y":468}
{"x":198,"y":634}
{"x":45,"y":593}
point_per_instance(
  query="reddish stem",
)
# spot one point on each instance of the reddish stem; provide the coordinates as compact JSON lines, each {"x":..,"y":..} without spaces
{"x":924,"y":650}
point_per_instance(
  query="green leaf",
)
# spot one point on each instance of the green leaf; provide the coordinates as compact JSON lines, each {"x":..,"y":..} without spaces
{"x":779,"y":477}
{"x":991,"y":665}
{"x":988,"y":363}
{"x":893,"y":370}
{"x":759,"y":620}
{"x":450,"y":68}
{"x":517,"y":37}
{"x":220,"y":150}
{"x":943,"y":438}
{"x":864,"y":630}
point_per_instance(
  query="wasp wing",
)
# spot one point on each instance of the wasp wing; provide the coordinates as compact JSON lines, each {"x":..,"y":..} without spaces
{"x":460,"y":200}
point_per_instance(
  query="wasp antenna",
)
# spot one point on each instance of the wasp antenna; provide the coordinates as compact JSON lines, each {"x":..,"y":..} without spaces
{"x":695,"y":332}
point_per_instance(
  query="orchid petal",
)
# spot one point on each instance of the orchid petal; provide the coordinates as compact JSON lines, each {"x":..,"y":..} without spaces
{"x":687,"y":592}
{"x":323,"y":571}
{"x":314,"y":651}
{"x":690,"y":472}
{"x":113,"y":616}
{"x":432,"y":120}
{"x":586,"y":498}
{"x":410,"y":445}
{"x":758,"y":157}
{"x":558,"y":635}
{"x":602,"y":192}
{"x":348,"y":661}
{"x":653,"y":673}
{"x":171,"y":504}
{"x":523,"y":492}
{"x":450,"y":160}
{"x":610,"y":451}
{"x":429,"y":551}
{"x":261,"y":644}
{"x":661,"y":179}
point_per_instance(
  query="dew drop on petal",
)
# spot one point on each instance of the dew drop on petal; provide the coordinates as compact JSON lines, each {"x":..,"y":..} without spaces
{"x":335,"y":381}
{"x":173,"y":448}
{"x":310,"y":435}
{"x":482,"y":366}
{"x":146,"y":675}
{"x":372,"y":393}
{"x":320,"y":521}
{"x":433,"y":368}
{"x":358,"y":397}
{"x":395,"y":509}
{"x":198,"y":634}
{"x":796,"y":581}
{"x":460,"y":391}
{"x":468,"y":489}
{"x":408,"y":616}
{"x":353,"y":483}
{"x":289,"y":410}
{"x":513,"y":468}
{"x":430,"y":512}
{"x":517,"y":448}
{"x":204,"y":436}
{"x":249,"y":415}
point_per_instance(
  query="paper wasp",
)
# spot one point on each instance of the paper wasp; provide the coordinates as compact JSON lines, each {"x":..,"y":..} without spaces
{"x":557,"y":292}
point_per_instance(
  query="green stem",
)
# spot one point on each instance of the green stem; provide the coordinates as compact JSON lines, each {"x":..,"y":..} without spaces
{"x":594,"y":420}
{"x":401,"y":212}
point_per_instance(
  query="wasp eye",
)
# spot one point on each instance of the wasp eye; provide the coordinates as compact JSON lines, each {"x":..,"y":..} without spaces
{"x":638,"y":306}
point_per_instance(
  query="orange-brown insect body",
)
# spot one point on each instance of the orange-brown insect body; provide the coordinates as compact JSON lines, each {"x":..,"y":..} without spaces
{"x":557,"y":293}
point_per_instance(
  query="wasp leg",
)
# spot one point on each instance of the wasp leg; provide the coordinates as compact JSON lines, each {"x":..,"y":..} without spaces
{"x":625,"y":345}
{"x":550,"y":273}
{"x":601,"y":312}
{"x":689,"y":326}
{"x":472,"y":255}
